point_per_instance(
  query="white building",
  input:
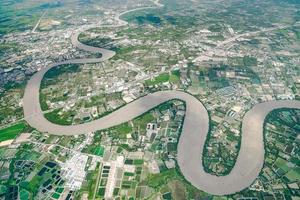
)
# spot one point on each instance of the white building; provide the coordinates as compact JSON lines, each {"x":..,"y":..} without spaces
{"x":112,"y":176}
{"x":151,"y":131}
{"x":74,"y":171}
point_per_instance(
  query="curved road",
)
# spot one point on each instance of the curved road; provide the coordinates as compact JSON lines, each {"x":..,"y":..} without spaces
{"x":195,"y":129}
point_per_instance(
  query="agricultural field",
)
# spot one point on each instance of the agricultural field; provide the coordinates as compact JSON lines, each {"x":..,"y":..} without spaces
{"x":12,"y":131}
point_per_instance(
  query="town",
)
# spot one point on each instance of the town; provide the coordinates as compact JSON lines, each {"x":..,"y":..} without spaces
{"x":228,"y":64}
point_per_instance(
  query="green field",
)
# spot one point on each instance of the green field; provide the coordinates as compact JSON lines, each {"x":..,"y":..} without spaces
{"x":128,"y":174}
{"x":90,"y":184}
{"x":59,"y":190}
{"x":282,"y":164}
{"x":157,"y":180}
{"x":34,"y":183}
{"x":8,"y":47}
{"x":138,"y":162}
{"x":121,"y":130}
{"x":101,"y":192}
{"x":12,"y":131}
{"x":55,"y":118}
{"x":143,"y":120}
{"x":294,"y":175}
{"x":24,"y":195}
{"x":99,"y":151}
{"x":2,"y":189}
{"x":174,"y":79}
{"x":162,"y":78}
{"x":55,"y":196}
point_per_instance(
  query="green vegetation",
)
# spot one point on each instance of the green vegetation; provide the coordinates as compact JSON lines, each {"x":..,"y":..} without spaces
{"x":55,"y":118}
{"x":47,"y":176}
{"x":27,"y":153}
{"x":12,"y":131}
{"x":51,"y":77}
{"x":281,"y":131}
{"x":215,"y":28}
{"x":59,"y":190}
{"x":6,"y":48}
{"x":120,"y":131}
{"x":99,"y":151}
{"x":282,"y":164}
{"x":123,"y":128}
{"x":90,"y":184}
{"x":18,"y":16}
{"x":3,"y":189}
{"x":296,"y":31}
{"x":101,"y":42}
{"x":216,"y":82}
{"x":52,"y":74}
{"x":128,"y":174}
{"x":96,"y":148}
{"x":101,"y":192}
{"x":218,"y":79}
{"x":10,"y":102}
{"x":124,"y":52}
{"x":143,"y":120}
{"x":143,"y":17}
{"x":162,"y":78}
{"x":245,"y":61}
{"x":160,"y":17}
{"x":43,"y":99}
{"x":294,"y":174}
{"x":249,"y":61}
{"x":24,"y":194}
{"x":55,"y":196}
{"x":157,"y":180}
{"x":34,"y":184}
{"x":175,"y":77}
{"x":171,"y":25}
{"x":216,"y":37}
{"x":138,"y":162}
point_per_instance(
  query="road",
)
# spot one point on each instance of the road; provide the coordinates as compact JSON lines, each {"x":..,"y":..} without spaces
{"x":195,"y":128}
{"x":38,"y":23}
{"x":235,"y":38}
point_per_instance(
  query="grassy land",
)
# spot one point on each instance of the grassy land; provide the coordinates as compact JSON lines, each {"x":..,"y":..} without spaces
{"x":24,"y":195}
{"x":157,"y":180}
{"x":12,"y":131}
{"x":175,"y":77}
{"x":123,"y":52}
{"x":294,"y":175}
{"x":19,"y":16}
{"x":162,"y":78}
{"x":52,"y":75}
{"x":144,"y":119}
{"x":99,"y":151}
{"x":282,"y":164}
{"x":121,"y":130}
{"x":2,"y":189}
{"x":43,"y":103}
{"x":35,"y":183}
{"x":8,"y":47}
{"x":90,"y":184}
{"x":56,"y":119}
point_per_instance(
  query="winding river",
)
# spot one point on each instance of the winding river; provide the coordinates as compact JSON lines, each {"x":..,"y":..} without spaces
{"x":195,"y":128}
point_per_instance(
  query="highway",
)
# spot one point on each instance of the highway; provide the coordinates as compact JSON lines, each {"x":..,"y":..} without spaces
{"x":195,"y":128}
